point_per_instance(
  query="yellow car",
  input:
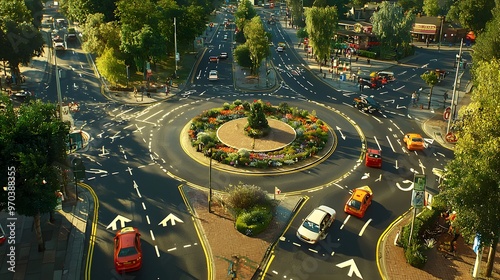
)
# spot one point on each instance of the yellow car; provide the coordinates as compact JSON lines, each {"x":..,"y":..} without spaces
{"x":360,"y":199}
{"x":414,"y":141}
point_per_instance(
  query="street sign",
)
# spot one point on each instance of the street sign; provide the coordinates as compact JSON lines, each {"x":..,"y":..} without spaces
{"x":177,"y":57}
{"x":418,"y":194}
{"x":447,"y":113}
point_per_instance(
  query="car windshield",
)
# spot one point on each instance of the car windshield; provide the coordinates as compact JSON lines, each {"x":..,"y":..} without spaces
{"x":129,"y":251}
{"x":354,"y":204}
{"x":417,"y":139}
{"x":311,"y":226}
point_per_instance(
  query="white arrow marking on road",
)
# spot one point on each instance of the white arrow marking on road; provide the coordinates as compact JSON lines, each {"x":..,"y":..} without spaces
{"x":340,"y":131}
{"x":413,"y":170}
{"x":364,"y":227}
{"x":366,"y":176}
{"x":400,"y":107}
{"x":96,"y":171}
{"x":434,"y":59}
{"x":103,"y":152}
{"x":199,"y":75}
{"x":379,"y":178}
{"x":429,"y":140}
{"x":171,"y":217}
{"x":136,"y":187}
{"x":352,"y":268}
{"x":392,"y":101}
{"x":122,"y":220}
{"x":396,"y":165}
{"x":425,"y":65}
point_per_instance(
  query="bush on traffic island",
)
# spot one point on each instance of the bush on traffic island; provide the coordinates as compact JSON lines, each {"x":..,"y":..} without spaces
{"x":415,"y":256}
{"x":254,"y":221}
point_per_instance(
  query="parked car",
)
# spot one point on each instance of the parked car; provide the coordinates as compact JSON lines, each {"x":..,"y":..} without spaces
{"x":366,"y":104}
{"x":127,"y":250}
{"x":414,"y":141}
{"x":213,"y":75}
{"x":373,"y":158}
{"x":359,"y":201}
{"x":316,"y":224}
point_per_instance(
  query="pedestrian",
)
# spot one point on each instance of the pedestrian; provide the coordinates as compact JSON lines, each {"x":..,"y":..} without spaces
{"x":453,"y":243}
{"x":368,"y":61}
{"x":414,"y":99}
{"x":148,"y":94}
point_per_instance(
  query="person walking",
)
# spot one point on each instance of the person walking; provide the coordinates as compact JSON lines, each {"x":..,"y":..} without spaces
{"x":414,"y":99}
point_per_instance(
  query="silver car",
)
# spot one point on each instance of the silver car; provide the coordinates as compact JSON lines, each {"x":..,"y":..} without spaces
{"x":316,"y":224}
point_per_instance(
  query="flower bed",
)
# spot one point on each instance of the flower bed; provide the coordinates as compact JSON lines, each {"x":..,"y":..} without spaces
{"x":311,"y":135}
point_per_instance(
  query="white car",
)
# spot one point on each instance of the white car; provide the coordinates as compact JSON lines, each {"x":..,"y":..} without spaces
{"x":59,"y":46}
{"x":212,"y":75}
{"x":279,"y":49}
{"x":315,"y":226}
{"x":225,"y":37}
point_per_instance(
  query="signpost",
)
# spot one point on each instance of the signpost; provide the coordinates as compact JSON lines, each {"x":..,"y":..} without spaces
{"x":78,"y":172}
{"x":417,"y":198}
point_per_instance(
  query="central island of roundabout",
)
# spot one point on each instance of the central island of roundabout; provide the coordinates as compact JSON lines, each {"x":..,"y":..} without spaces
{"x":258,"y":138}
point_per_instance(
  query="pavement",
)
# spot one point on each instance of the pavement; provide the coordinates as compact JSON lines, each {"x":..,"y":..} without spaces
{"x":65,"y":237}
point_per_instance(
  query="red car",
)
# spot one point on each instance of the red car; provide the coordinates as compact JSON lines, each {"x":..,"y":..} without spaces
{"x":360,"y":199}
{"x":128,"y":253}
{"x":373,"y":158}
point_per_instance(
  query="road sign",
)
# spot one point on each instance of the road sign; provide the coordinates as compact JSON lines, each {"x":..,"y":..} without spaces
{"x":447,"y":113}
{"x":418,"y":194}
{"x":419,"y":182}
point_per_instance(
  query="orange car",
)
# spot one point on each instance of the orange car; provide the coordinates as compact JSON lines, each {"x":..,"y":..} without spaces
{"x":373,"y":158}
{"x":414,"y":141}
{"x":360,"y":199}
{"x":128,"y":253}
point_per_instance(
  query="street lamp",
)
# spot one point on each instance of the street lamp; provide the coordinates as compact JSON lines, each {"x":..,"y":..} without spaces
{"x":128,"y":74}
{"x":210,"y":181}
{"x":175,"y":47}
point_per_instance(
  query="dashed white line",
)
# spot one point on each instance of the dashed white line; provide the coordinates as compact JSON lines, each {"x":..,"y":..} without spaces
{"x":312,"y":250}
{"x":296,"y":244}
{"x":143,"y":206}
{"x":147,"y":218}
{"x":187,"y":246}
{"x":345,"y":221}
{"x":157,"y":251}
{"x":172,"y":249}
{"x":152,"y":235}
{"x":114,"y":173}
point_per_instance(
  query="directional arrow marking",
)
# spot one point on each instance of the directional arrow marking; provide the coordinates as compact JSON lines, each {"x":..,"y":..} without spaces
{"x":392,"y":101}
{"x":352,"y":268}
{"x":429,"y":140}
{"x":122,"y":220}
{"x":366,"y":176}
{"x":340,"y":131}
{"x":171,"y":217}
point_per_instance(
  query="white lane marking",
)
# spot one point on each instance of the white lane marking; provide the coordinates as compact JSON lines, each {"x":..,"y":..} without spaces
{"x":390,"y":143}
{"x":172,"y":249}
{"x":345,"y":221}
{"x":152,"y":235}
{"x":364,"y":227}
{"x":376,"y":141}
{"x":147,"y":218}
{"x":157,"y":251}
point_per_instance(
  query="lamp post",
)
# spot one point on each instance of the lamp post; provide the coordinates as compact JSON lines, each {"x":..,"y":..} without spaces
{"x":128,"y":74}
{"x":453,"y":105}
{"x":175,"y":47}
{"x":210,"y":181}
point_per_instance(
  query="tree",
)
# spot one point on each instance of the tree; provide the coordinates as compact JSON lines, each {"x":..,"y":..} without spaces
{"x":113,"y":69}
{"x":302,"y":33}
{"x":411,"y":5}
{"x":431,"y":8}
{"x":431,"y":79}
{"x":321,"y":24}
{"x":472,"y":14}
{"x":392,"y":27}
{"x":77,"y":10}
{"x":487,"y":45}
{"x":472,"y":185}
{"x":243,"y":14}
{"x":99,"y":35}
{"x":33,"y":147}
{"x":257,"y":42}
{"x":242,"y":56}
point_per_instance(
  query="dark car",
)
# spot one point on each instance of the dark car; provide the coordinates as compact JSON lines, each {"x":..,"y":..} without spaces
{"x":366,"y":104}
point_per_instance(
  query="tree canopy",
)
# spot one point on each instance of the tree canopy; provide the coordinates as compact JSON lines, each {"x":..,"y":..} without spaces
{"x":487,"y":45}
{"x":321,"y":25}
{"x":472,"y":14}
{"x":32,"y":143}
{"x":257,"y":42}
{"x":392,"y":27}
{"x":472,"y":185}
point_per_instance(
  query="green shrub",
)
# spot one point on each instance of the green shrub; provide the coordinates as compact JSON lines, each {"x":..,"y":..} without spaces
{"x":244,"y":197}
{"x":367,"y":54}
{"x":254,"y":221}
{"x":414,"y":255}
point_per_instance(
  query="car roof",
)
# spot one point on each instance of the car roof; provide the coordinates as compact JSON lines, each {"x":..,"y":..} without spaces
{"x":213,"y":71}
{"x":373,"y":151}
{"x":413,"y":135}
{"x":360,"y":193}
{"x":319,"y":213}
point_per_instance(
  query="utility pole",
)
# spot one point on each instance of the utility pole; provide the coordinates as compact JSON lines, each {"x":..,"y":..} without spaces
{"x":175,"y":47}
{"x":441,"y":33}
{"x":453,"y":105}
{"x":58,"y":82}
